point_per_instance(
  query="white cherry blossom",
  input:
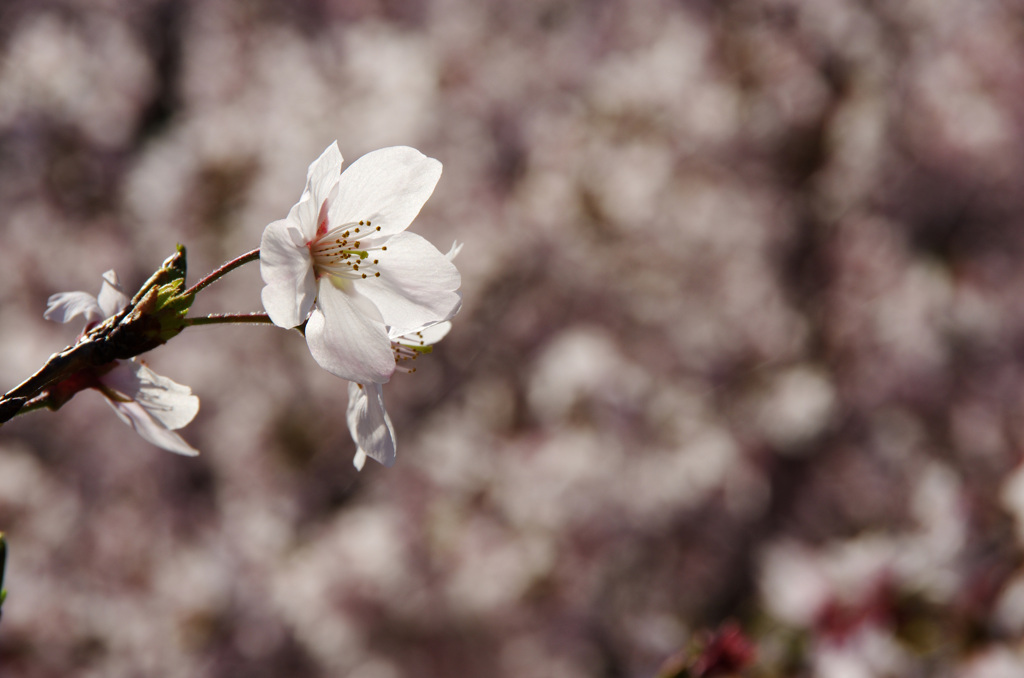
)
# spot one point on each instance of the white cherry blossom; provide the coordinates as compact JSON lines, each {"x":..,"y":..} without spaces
{"x":154,"y":406}
{"x":342,"y":262}
{"x":368,"y":421}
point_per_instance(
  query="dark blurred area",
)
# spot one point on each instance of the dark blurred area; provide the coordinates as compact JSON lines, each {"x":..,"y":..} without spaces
{"x":736,"y":388}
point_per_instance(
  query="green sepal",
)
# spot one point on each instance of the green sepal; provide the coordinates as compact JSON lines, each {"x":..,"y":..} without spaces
{"x":171,"y":307}
{"x":162,"y":299}
{"x":175,"y":266}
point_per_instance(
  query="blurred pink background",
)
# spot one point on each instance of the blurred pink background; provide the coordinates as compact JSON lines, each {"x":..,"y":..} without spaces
{"x":742,"y":339}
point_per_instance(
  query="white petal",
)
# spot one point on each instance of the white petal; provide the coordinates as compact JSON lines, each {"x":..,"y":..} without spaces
{"x":324,"y":173}
{"x":417,"y":284}
{"x":169,"y":402}
{"x":151,"y":430}
{"x":359,"y":460}
{"x":321,"y":189}
{"x":435,"y":333}
{"x":347,"y":337}
{"x":426,"y":336}
{"x":387,"y":187}
{"x":454,"y":251}
{"x":370,"y":425}
{"x":151,"y":404}
{"x":287,"y":270}
{"x":66,"y":306}
{"x":111,"y":298}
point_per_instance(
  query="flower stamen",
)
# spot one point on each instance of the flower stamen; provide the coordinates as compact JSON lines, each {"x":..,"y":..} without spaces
{"x":409,"y":348}
{"x":334,"y":254}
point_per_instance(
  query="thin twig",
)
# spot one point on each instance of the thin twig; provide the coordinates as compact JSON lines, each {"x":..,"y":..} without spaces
{"x":223,"y":270}
{"x":228,"y":318}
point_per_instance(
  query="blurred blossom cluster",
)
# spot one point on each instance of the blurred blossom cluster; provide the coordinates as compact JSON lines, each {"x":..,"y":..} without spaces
{"x":737,"y":384}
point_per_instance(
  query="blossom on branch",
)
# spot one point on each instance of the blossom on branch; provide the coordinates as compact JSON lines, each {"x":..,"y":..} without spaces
{"x":342,"y":262}
{"x":368,"y":421}
{"x":154,"y":406}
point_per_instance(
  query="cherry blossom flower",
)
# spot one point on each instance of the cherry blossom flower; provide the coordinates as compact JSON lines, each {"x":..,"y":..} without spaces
{"x":154,"y":406}
{"x":342,"y":262}
{"x":368,"y":421}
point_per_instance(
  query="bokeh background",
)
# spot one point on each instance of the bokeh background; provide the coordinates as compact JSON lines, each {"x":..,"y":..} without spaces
{"x":741,"y":355}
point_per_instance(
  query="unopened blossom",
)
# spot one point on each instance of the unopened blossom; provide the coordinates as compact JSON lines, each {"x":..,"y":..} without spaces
{"x":342,"y":262}
{"x":368,"y":421}
{"x":154,"y":406}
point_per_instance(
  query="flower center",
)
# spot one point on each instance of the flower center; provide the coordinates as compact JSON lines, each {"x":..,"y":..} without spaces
{"x":351,"y":251}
